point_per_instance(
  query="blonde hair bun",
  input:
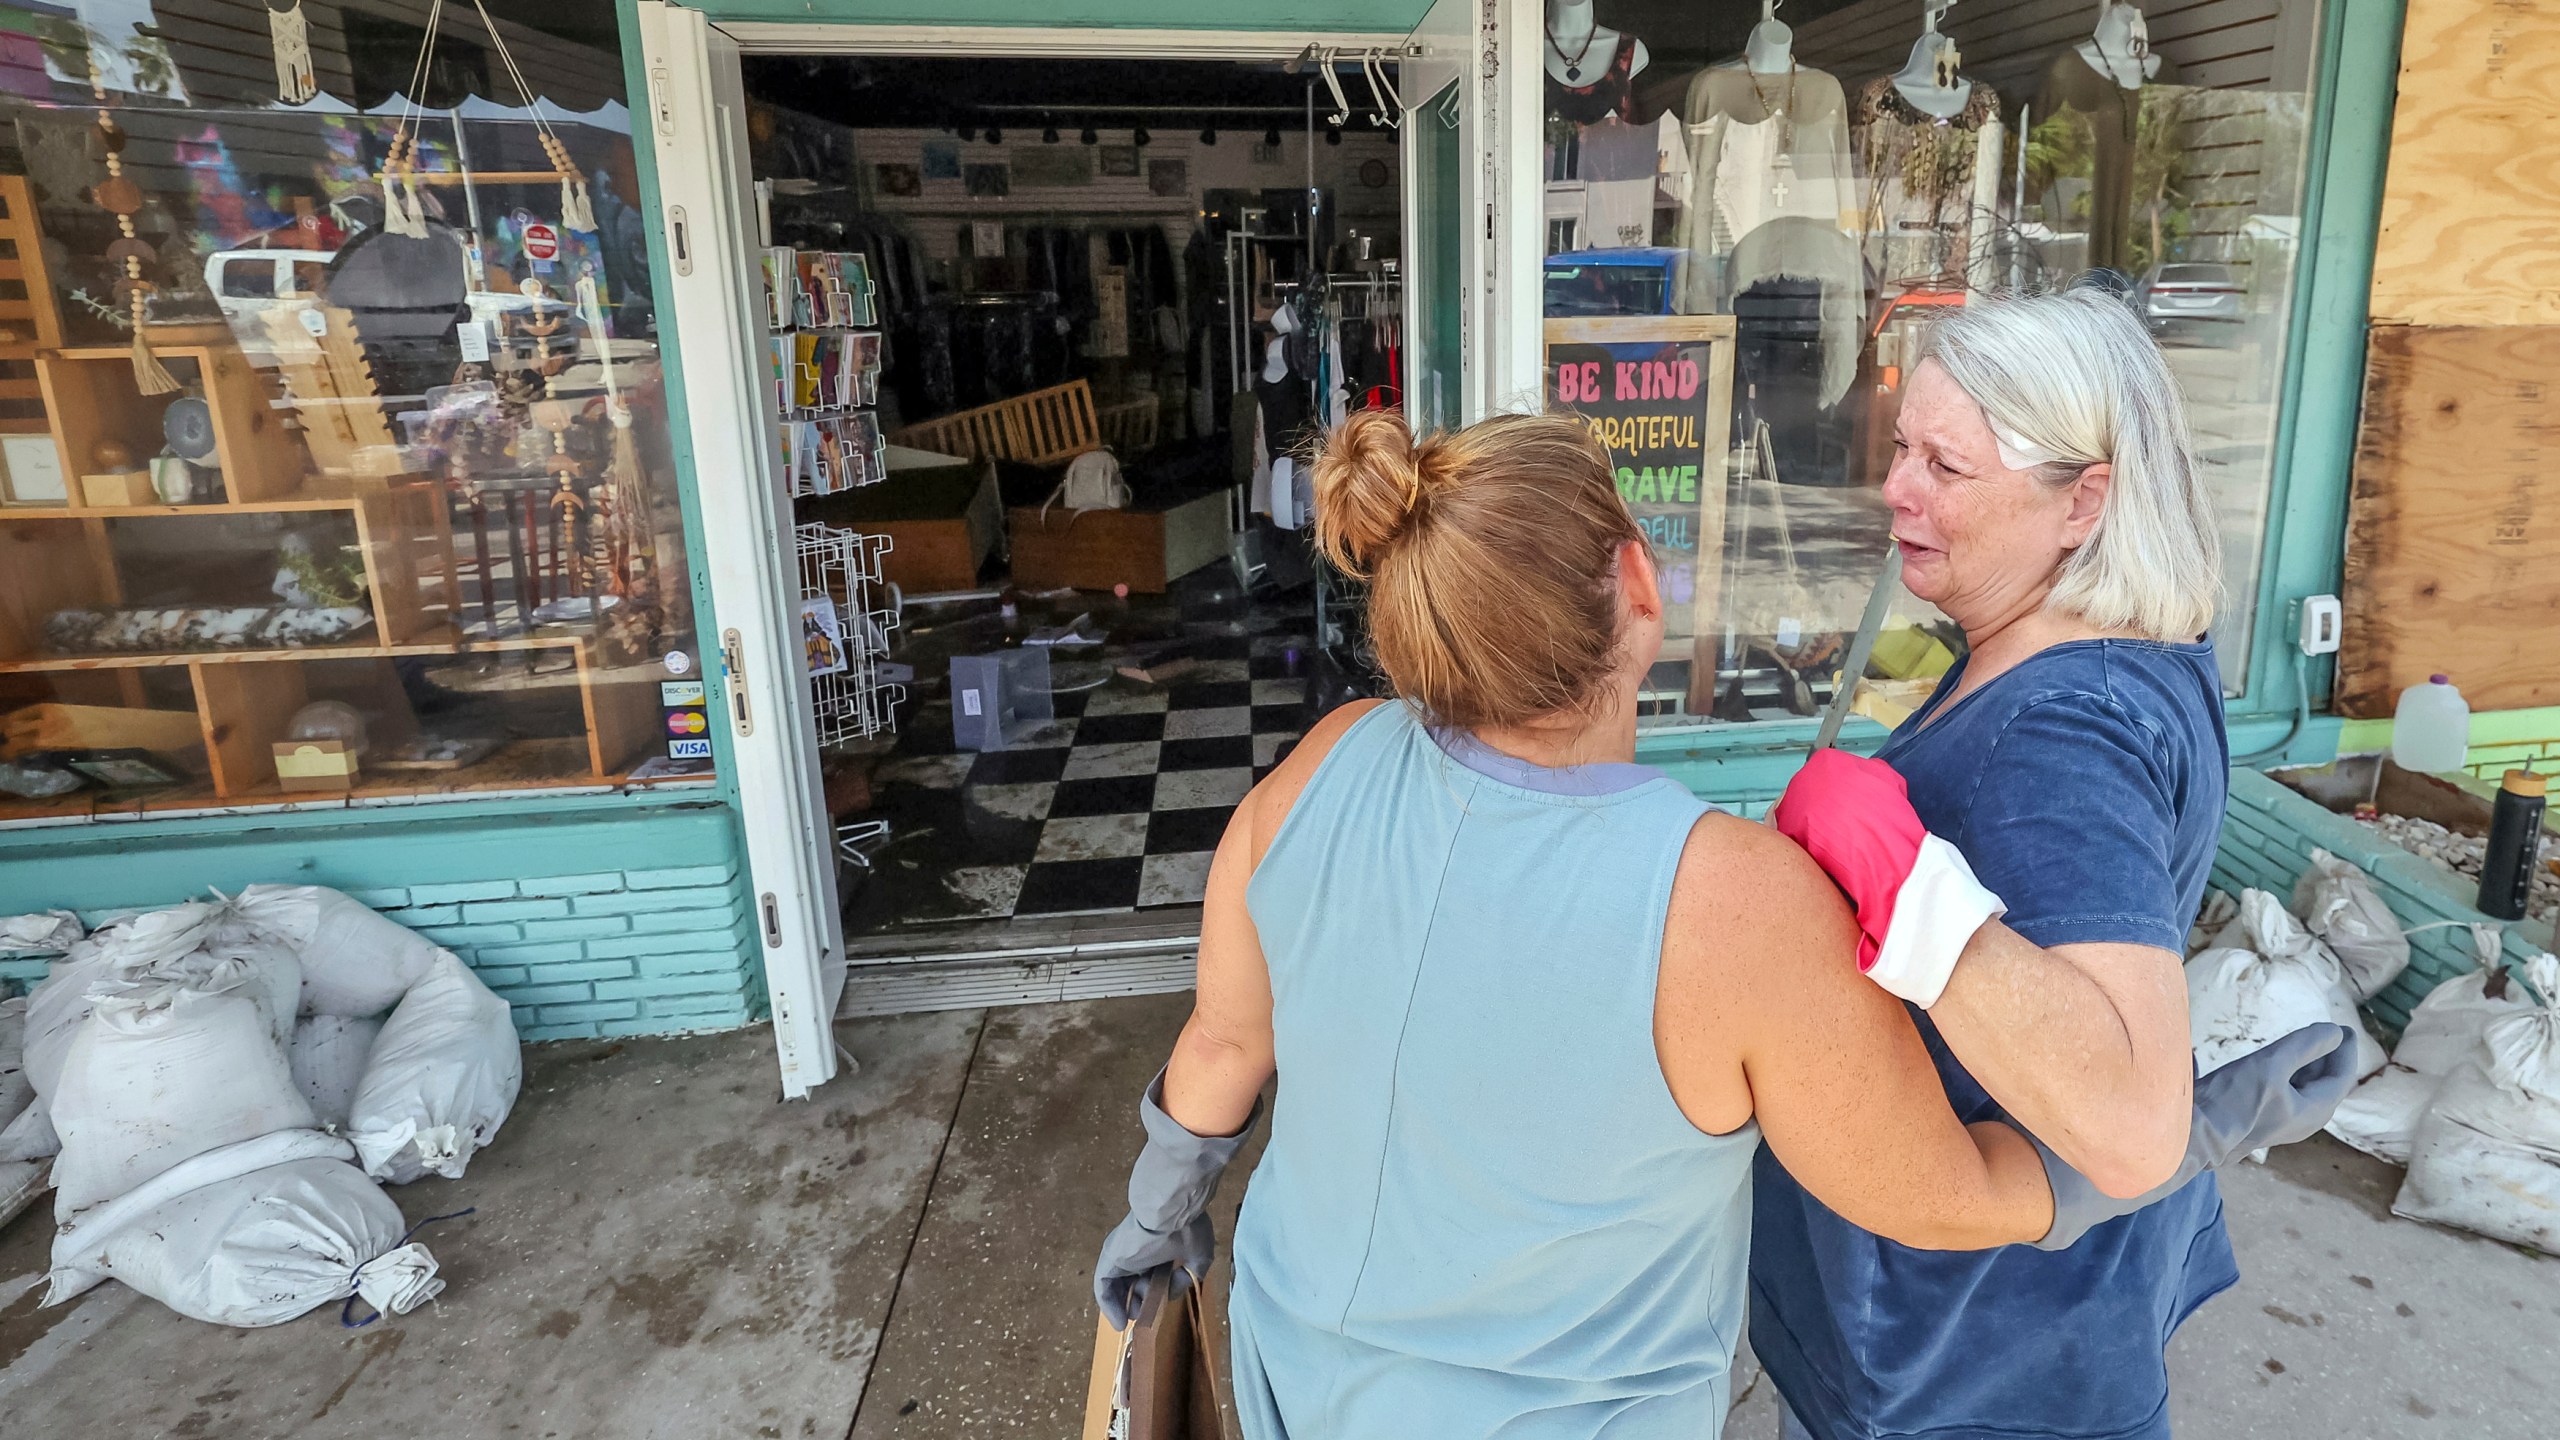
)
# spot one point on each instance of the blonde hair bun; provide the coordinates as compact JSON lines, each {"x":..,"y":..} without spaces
{"x":1368,"y":485}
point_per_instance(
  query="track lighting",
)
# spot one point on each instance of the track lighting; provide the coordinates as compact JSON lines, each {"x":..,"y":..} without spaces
{"x":968,"y":133}
{"x":1089,"y":137}
{"x":1271,"y":137}
{"x":1140,"y":136}
{"x":1049,"y":136}
{"x":1333,"y":134}
{"x":1208,"y":134}
{"x":994,"y":136}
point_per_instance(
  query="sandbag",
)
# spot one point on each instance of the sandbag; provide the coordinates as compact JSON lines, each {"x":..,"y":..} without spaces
{"x":2239,"y":1000}
{"x":354,"y":962}
{"x":2383,"y":1115}
{"x":155,"y":1077}
{"x":16,"y":1094}
{"x":40,"y":932}
{"x":240,"y":1237}
{"x":2337,"y":903}
{"x":327,"y":1055}
{"x":2487,"y":1157}
{"x":267,"y":973}
{"x":445,"y":1072}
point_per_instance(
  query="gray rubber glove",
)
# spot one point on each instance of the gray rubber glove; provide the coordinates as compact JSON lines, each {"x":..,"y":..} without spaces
{"x":2273,"y":1096}
{"x":1168,"y":1220}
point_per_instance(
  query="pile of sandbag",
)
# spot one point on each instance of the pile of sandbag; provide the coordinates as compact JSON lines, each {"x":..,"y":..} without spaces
{"x":2469,"y":1102}
{"x":228,"y":1082}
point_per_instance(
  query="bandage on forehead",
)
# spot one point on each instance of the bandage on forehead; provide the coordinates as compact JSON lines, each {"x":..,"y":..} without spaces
{"x":2017,"y":452}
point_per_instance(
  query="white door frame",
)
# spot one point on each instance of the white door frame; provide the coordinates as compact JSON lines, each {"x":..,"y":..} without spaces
{"x":706,"y":228}
{"x":696,"y":118}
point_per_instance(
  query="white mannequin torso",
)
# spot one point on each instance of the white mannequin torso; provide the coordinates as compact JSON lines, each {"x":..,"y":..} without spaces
{"x":1918,"y":80}
{"x":1771,"y":47}
{"x":1577,"y":43}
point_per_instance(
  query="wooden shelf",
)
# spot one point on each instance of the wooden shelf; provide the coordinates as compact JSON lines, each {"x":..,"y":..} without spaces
{"x":446,"y":641}
{"x":555,"y":763}
{"x":280,"y":505}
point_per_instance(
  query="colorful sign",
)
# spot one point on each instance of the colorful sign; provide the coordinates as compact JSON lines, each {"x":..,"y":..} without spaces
{"x":541,"y":242}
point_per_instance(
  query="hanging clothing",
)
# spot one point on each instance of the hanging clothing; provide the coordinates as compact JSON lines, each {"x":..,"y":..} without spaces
{"x":1618,"y":165}
{"x":2078,"y":95}
{"x":1611,"y":92}
{"x":1811,"y":260}
{"x":1480,"y":1212}
{"x":1761,"y":148}
{"x":1933,"y":187}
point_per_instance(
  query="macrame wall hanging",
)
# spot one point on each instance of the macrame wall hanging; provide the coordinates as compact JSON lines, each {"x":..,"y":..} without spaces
{"x":120,"y":197}
{"x":290,"y":35}
{"x":402,"y":213}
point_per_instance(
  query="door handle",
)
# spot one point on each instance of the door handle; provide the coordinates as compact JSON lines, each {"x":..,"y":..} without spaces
{"x":679,"y":240}
{"x":733,"y":681}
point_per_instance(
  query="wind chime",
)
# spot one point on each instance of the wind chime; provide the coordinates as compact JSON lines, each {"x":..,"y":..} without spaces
{"x":119,"y":196}
{"x":550,"y":560}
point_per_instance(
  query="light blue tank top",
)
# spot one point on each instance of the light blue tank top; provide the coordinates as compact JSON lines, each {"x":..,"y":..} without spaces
{"x":1480,"y":1212}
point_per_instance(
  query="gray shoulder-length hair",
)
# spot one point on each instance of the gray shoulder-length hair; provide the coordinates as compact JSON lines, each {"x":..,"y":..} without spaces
{"x":2078,"y":380}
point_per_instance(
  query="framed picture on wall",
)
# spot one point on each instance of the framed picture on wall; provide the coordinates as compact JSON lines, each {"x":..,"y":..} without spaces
{"x":896,"y":179}
{"x":1052,"y":166}
{"x":1168,"y":177}
{"x":1120,"y":162}
{"x":988,"y":182}
{"x":941,"y":160}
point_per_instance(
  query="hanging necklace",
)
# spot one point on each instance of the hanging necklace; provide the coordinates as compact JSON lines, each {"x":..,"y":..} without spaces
{"x":1573,"y":66}
{"x":1784,"y":112}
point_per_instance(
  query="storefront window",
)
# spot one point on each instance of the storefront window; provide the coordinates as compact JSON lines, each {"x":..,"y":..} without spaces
{"x":332,"y":428}
{"x":1749,"y":223}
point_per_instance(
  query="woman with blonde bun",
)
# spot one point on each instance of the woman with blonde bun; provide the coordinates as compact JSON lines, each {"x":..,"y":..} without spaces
{"x":1531,"y":1006}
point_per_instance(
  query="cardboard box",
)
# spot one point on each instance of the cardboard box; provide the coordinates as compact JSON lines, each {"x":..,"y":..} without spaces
{"x":315,"y":765}
{"x":124,"y":487}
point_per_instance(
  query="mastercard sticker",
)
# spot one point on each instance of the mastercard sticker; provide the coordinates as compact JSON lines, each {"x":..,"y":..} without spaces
{"x":686,"y":722}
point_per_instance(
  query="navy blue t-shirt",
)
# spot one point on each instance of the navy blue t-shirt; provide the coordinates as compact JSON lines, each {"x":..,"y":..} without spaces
{"x":2086,"y":788}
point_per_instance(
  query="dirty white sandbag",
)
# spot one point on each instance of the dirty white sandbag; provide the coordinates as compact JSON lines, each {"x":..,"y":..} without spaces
{"x":16,"y":1094}
{"x":328,"y":1055}
{"x":444,"y":1074}
{"x":2487,"y":1157}
{"x":55,"y":1009}
{"x":254,"y":1248}
{"x":42,"y":932}
{"x":2218,"y":911}
{"x":2337,"y":902}
{"x":354,"y":962}
{"x":30,"y":1136}
{"x":155,"y":1077}
{"x":266,"y":972}
{"x":2235,"y":1008}
{"x":2381,"y":1117}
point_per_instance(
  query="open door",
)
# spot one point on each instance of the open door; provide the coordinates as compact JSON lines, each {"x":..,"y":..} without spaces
{"x":697,"y":111}
{"x":1473,"y":252}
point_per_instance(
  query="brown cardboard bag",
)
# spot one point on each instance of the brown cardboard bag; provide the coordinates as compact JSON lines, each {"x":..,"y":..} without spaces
{"x":1158,"y":1379}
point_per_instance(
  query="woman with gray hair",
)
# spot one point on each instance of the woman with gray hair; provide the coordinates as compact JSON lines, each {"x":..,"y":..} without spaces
{"x":2025,"y":855}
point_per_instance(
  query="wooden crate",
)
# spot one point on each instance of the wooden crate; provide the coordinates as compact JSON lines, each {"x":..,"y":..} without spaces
{"x":2452,"y":566}
{"x":90,"y":394}
{"x":1145,"y":550}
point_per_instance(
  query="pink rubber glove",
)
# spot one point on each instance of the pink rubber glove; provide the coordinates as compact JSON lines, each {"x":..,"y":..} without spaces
{"x":1917,"y":901}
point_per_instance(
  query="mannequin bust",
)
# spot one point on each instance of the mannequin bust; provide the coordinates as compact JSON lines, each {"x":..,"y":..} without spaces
{"x":2121,"y":47}
{"x":1929,"y":79}
{"x":1579,"y":47}
{"x":1770,"y":49}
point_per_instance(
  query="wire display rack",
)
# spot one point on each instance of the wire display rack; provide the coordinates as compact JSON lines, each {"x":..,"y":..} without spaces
{"x":842,"y":569}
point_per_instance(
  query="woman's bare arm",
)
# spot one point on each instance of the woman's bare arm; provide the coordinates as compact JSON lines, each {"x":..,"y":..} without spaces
{"x":1224,"y":1055}
{"x":1760,"y":1014}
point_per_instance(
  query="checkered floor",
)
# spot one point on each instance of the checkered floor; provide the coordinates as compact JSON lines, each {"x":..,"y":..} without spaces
{"x":1117,"y":805}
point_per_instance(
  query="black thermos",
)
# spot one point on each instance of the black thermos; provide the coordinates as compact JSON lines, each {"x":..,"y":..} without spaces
{"x":2515,"y":830}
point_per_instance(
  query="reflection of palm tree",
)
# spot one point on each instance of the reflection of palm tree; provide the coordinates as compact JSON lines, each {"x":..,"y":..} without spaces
{"x":2159,"y":173}
{"x":2060,"y":145}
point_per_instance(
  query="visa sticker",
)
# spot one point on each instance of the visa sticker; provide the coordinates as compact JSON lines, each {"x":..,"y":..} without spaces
{"x":673,"y":693}
{"x":688,"y":749}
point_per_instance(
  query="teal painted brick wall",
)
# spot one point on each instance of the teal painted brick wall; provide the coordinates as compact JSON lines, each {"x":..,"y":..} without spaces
{"x":646,"y":930}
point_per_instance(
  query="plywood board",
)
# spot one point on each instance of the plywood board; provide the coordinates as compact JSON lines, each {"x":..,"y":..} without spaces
{"x":2453,"y":528}
{"x":2471,"y":208}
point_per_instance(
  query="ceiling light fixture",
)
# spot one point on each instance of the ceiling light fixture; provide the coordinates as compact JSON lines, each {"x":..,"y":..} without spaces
{"x":968,"y":133}
{"x":1140,"y":136}
{"x":994,"y":136}
{"x":1271,"y":137}
{"x":1208,"y":134}
{"x":1049,"y":136}
{"x":1333,"y":134}
{"x":1089,"y":137}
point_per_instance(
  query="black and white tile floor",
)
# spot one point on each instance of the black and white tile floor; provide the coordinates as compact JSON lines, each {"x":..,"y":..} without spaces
{"x":1115,"y":806}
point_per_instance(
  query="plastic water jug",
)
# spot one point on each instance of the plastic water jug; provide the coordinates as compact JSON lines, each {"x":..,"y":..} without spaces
{"x":2431,"y":731}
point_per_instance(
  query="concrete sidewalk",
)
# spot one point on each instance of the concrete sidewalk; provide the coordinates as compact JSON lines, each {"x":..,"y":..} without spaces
{"x":661,"y":1249}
